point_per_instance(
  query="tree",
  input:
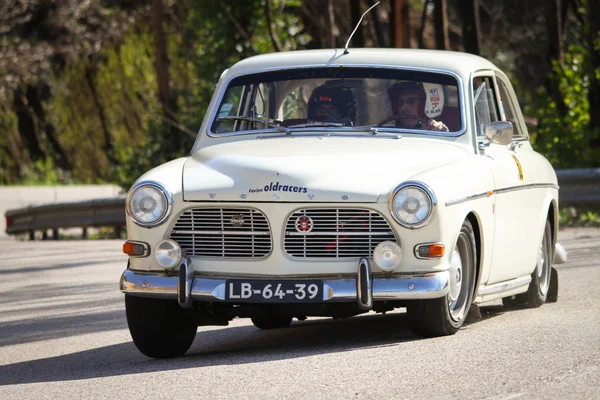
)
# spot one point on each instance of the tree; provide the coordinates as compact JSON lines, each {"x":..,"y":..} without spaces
{"x":470,"y":29}
{"x":400,"y":23}
{"x":593,"y":45}
{"x":441,"y":25}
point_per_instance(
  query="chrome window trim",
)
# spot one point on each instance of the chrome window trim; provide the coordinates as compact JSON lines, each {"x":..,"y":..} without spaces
{"x":513,"y":98}
{"x":459,"y":81}
{"x":421,"y":186}
{"x":166,"y":193}
{"x":500,"y":191}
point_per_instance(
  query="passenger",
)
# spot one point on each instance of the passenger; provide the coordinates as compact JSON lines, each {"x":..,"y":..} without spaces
{"x":408,"y":107}
{"x":332,"y":104}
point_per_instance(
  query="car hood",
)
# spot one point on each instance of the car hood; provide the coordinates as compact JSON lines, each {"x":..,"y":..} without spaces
{"x":310,"y":169}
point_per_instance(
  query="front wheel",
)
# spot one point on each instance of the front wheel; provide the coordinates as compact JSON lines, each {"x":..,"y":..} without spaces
{"x":445,"y":315}
{"x":159,"y":328}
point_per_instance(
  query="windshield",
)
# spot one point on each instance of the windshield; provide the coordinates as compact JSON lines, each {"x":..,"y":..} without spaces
{"x":346,"y":98}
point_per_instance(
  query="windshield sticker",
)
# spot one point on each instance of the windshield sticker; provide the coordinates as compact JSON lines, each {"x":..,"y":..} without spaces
{"x":276,"y":187}
{"x":434,"y":103}
{"x":225,"y":108}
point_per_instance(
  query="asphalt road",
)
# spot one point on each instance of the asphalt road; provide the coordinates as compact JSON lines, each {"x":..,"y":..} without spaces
{"x":63,"y":334}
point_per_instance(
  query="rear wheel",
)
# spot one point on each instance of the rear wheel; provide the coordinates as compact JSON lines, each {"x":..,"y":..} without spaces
{"x":271,"y":322}
{"x":445,"y":315}
{"x":159,"y":328}
{"x":539,"y":287}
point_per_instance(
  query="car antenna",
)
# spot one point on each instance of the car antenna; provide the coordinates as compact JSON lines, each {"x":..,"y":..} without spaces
{"x":357,"y":25}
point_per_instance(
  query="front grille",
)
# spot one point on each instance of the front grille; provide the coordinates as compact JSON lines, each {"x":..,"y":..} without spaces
{"x":335,"y":232}
{"x":223,"y":232}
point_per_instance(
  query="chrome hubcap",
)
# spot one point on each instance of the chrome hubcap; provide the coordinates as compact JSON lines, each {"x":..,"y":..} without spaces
{"x":542,"y":270}
{"x":461,"y":271}
{"x":455,"y":276}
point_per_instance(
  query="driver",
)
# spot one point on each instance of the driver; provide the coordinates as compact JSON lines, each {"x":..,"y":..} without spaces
{"x":332,"y":104}
{"x":408,"y":104}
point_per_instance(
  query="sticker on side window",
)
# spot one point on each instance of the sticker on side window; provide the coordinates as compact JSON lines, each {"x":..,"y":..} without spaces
{"x":225,"y":108}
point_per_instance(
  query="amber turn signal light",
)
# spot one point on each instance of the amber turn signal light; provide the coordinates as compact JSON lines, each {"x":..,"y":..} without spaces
{"x":430,"y":250}
{"x":136,"y":249}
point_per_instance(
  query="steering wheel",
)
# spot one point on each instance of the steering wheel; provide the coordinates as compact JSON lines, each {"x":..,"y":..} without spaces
{"x":398,"y":117}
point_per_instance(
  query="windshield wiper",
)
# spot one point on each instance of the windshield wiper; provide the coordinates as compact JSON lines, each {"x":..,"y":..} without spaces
{"x":319,"y":125}
{"x":257,"y":120}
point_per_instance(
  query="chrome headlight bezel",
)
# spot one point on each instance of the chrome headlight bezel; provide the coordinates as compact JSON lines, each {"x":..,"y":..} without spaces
{"x":168,"y":198}
{"x":419,"y":186}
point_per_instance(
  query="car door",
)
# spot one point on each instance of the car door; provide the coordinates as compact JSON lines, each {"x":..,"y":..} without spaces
{"x":531,"y":166}
{"x":507,"y":260}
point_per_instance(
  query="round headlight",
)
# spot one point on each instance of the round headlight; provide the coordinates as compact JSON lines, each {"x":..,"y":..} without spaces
{"x":387,"y":255}
{"x":412,"y":204}
{"x":148,"y":203}
{"x":168,"y":253}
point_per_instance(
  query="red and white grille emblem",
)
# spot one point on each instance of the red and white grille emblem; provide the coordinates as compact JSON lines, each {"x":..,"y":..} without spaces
{"x":304,"y":224}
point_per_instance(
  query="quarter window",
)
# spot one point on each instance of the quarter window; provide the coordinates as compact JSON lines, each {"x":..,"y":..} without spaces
{"x":486,"y":109}
{"x":510,"y":113}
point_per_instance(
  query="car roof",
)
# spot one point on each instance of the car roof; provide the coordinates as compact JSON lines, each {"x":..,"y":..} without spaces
{"x":461,"y":64}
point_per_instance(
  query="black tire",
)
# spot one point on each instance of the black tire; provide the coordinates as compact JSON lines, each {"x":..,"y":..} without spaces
{"x":271,"y":322}
{"x":537,"y":294}
{"x":445,"y":315}
{"x":159,"y":328}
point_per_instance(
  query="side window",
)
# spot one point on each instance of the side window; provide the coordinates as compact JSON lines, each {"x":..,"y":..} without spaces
{"x":510,"y":112}
{"x":486,"y":109}
{"x":293,"y":105}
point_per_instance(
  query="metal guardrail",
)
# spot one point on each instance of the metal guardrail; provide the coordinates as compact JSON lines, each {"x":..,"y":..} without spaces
{"x":83,"y":214}
{"x":578,"y":187}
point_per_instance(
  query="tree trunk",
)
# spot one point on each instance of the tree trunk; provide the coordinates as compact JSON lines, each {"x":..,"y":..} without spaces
{"x":26,"y":126}
{"x":555,"y":53}
{"x":471,"y":30}
{"x":35,"y":96}
{"x":161,"y":63}
{"x":376,"y":24}
{"x":358,"y":40}
{"x":421,"y":42}
{"x":311,"y":24}
{"x":594,"y":88}
{"x":331,"y":16}
{"x":441,"y":25}
{"x":272,"y":34}
{"x":400,"y":24}
{"x":108,"y":144}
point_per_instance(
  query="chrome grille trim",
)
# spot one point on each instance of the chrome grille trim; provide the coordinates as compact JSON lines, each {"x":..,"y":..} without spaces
{"x":210,"y":232}
{"x":336,"y":233}
{"x":239,"y":233}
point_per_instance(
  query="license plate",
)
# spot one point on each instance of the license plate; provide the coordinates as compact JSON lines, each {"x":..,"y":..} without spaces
{"x":268,"y":291}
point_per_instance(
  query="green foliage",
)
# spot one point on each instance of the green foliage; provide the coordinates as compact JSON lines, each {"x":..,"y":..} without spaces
{"x":579,"y":217}
{"x":42,"y":172}
{"x":8,"y":125}
{"x":565,"y":140}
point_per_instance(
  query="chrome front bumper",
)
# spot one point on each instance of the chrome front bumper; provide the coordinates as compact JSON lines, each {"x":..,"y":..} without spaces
{"x":364,"y":288}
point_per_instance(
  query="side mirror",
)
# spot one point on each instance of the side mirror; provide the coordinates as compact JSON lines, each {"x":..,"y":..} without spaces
{"x":500,"y":132}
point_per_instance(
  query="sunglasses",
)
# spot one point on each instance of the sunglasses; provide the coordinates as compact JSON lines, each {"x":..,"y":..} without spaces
{"x":408,"y":100}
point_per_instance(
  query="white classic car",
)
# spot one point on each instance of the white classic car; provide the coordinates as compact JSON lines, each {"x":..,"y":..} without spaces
{"x":332,"y":183}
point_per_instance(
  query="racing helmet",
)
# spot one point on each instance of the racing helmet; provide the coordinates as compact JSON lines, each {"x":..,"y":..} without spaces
{"x":405,"y":89}
{"x":332,"y":104}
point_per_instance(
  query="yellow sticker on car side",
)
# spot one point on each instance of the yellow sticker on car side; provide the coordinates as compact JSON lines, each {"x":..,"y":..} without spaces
{"x":518,"y":166}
